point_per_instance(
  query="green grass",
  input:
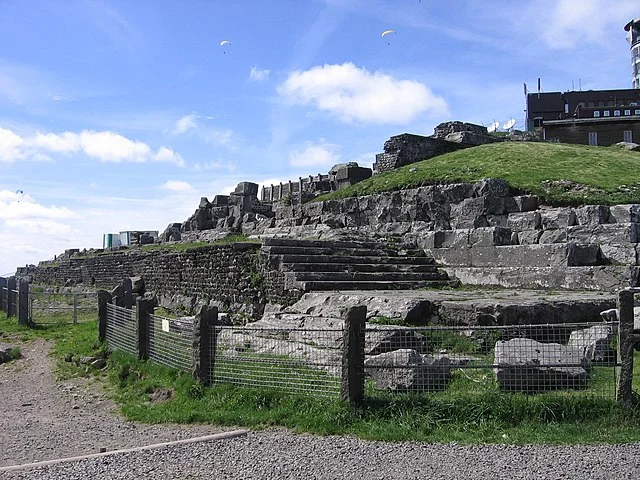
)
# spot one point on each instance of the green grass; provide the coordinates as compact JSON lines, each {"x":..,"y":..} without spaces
{"x":70,"y":342}
{"x":185,"y":246}
{"x":460,"y":414}
{"x":610,"y":175}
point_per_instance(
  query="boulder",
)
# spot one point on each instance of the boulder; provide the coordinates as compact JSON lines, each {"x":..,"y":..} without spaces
{"x":5,"y":352}
{"x":524,"y":365}
{"x":595,"y":343}
{"x":407,"y":370}
{"x":382,"y":339}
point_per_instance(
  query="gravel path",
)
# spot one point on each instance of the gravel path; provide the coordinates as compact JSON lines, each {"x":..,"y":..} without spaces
{"x":51,"y":427}
{"x":42,"y":419}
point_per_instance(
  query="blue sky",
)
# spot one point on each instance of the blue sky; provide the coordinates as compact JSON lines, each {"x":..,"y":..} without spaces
{"x":120,"y":115}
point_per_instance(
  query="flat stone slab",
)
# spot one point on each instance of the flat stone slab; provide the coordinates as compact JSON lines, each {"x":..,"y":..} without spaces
{"x":464,"y":307}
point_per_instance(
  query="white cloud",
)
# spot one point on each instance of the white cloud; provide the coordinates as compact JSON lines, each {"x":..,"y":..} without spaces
{"x":166,"y":154}
{"x":353,"y":93}
{"x":185,"y":123}
{"x":176,"y":186}
{"x":106,"y":146}
{"x":566,"y":23}
{"x":324,"y":154}
{"x":259,"y":74}
{"x":15,"y":206}
{"x":10,"y":146}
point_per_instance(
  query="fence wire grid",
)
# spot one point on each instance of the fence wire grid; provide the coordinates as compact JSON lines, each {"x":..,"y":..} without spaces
{"x":121,"y":331}
{"x":302,"y":361}
{"x":171,"y":342}
{"x":532,"y":359}
{"x":62,"y":307}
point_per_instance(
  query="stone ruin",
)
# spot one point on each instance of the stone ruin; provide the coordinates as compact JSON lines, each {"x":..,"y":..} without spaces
{"x":448,"y":137}
{"x":304,"y":189}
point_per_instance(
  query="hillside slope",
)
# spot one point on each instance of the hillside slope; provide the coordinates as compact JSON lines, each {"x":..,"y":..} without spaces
{"x":560,"y":174}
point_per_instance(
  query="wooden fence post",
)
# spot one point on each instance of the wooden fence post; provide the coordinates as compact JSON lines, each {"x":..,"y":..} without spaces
{"x":352,"y":386}
{"x":127,"y":291}
{"x":204,"y":343}
{"x":23,"y":302}
{"x":11,"y":286}
{"x":144,"y":309}
{"x":624,"y":392}
{"x":104,"y":297}
{"x":3,"y":287}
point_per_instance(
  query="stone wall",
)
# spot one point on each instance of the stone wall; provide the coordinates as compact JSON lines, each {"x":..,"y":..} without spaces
{"x":485,"y":234}
{"x":229,"y":276}
{"x":407,"y":148}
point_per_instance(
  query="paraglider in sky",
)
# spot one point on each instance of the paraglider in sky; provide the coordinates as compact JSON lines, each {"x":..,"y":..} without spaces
{"x":224,"y":44}
{"x":19,"y":194}
{"x":386,"y":33}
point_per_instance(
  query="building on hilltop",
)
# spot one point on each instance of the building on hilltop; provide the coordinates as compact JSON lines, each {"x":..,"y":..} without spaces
{"x":129,"y":237}
{"x":633,"y":36}
{"x":591,"y":117}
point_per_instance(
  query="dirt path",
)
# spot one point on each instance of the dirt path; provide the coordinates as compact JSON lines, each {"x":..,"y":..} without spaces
{"x":41,"y":418}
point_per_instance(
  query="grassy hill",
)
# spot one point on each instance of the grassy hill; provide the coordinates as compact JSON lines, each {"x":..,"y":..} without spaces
{"x":560,"y":174}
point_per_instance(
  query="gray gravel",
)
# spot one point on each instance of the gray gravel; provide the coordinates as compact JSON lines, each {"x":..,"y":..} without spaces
{"x":73,"y":419}
{"x":283,"y":455}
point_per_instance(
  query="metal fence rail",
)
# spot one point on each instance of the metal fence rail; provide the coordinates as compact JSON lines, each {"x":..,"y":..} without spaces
{"x":577,"y":358}
{"x":121,"y":331}
{"x":171,"y":342}
{"x":306,"y":361}
{"x":62,"y":307}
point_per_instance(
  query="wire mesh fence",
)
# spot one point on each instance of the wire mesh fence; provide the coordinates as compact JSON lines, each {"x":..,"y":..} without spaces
{"x":579,"y":359}
{"x":303,"y":361}
{"x":121,"y":329}
{"x":62,"y":307}
{"x":171,"y":342}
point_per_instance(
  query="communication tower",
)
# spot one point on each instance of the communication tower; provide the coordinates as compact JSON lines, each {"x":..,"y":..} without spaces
{"x":633,"y":35}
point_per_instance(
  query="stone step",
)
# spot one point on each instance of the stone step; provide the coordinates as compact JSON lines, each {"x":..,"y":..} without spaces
{"x":400,"y":260}
{"x":328,"y":250}
{"x":280,"y":242}
{"x":310,"y":286}
{"x":358,"y":267}
{"x":367,"y":276}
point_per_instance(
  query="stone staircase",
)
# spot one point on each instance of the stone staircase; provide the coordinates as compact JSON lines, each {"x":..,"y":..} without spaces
{"x":324,"y":265}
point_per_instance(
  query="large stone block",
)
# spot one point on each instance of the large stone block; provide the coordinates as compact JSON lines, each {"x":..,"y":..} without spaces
{"x":489,"y":237}
{"x":619,"y":254}
{"x":407,"y":370}
{"x":583,"y":255}
{"x":525,"y":365}
{"x":615,"y":233}
{"x":458,"y":238}
{"x":594,"y":342}
{"x":519,"y":255}
{"x":492,"y":187}
{"x":246,"y":188}
{"x":519,"y":222}
{"x":557,"y":218}
{"x":625,"y":213}
{"x":554,"y":235}
{"x":522,"y":203}
{"x":528,"y":237}
{"x":592,"y":214}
